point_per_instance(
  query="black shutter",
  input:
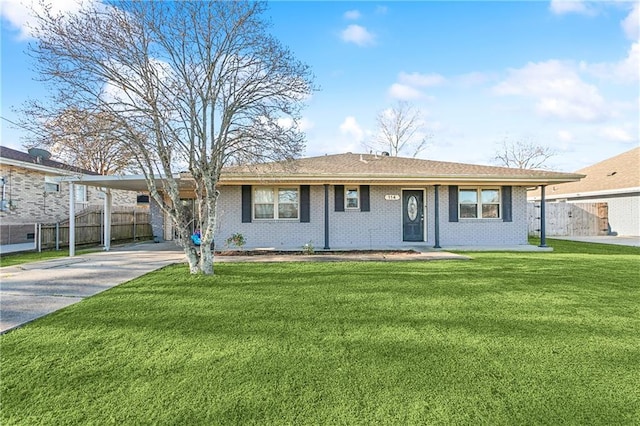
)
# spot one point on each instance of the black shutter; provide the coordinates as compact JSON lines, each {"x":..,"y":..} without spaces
{"x":339,"y":197}
{"x":364,"y":198}
{"x":453,"y":203}
{"x":507,"y":215}
{"x":246,"y":203}
{"x":305,"y":207}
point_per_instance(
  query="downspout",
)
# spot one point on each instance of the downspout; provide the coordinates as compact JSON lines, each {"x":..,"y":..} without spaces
{"x":437,"y":216}
{"x":543,"y":230}
{"x":326,"y":216}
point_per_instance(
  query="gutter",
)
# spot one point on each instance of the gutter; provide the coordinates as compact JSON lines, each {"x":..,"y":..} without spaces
{"x":589,"y":194}
{"x":395,"y":180}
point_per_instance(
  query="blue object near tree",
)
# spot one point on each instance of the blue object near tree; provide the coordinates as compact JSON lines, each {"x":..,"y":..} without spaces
{"x":195,"y":237}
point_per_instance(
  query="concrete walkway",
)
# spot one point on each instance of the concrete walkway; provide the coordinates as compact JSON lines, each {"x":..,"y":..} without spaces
{"x":32,"y":290}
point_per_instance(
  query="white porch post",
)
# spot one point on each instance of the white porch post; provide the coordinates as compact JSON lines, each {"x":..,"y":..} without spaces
{"x":108,"y":203}
{"x":72,"y":220}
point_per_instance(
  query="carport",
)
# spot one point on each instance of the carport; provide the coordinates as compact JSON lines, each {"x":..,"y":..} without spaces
{"x":106,"y":184}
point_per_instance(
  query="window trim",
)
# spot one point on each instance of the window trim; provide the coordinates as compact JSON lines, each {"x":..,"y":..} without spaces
{"x":49,"y":180}
{"x":276,"y":202}
{"x":479,"y":202}
{"x":346,"y":197}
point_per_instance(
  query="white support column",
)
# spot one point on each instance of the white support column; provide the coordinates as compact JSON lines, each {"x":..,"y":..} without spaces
{"x":108,"y":203}
{"x":72,"y":220}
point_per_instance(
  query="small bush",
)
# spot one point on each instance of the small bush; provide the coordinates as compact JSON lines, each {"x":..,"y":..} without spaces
{"x":308,"y":248}
{"x":236,"y":240}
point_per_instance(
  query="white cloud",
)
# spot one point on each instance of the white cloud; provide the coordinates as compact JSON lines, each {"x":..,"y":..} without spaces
{"x":352,"y":14}
{"x":421,"y":80}
{"x":404,"y":92}
{"x":631,"y":24}
{"x":304,"y":123}
{"x":558,"y":90}
{"x":20,"y":13}
{"x":350,"y":127}
{"x":358,"y":35}
{"x":625,"y":71}
{"x":616,"y":134}
{"x":565,"y":135}
{"x":561,"y":7}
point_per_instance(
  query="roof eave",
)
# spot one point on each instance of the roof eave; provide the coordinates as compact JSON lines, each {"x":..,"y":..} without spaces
{"x":38,"y":167}
{"x":604,"y":192}
{"x":252,"y":179}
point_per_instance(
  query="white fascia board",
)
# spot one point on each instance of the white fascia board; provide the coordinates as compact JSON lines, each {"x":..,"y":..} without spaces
{"x":123,"y":182}
{"x":620,"y":191}
{"x":392,"y":180}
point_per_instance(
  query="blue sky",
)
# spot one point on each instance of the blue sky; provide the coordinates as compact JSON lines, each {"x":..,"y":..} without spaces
{"x":561,"y":74}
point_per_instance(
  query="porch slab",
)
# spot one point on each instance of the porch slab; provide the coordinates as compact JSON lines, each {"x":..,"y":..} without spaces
{"x":341,"y":256}
{"x":514,"y":248}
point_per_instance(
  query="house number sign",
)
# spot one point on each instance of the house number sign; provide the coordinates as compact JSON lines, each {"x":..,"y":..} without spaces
{"x":392,"y":197}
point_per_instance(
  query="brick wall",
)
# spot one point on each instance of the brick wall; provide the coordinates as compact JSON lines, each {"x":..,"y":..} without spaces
{"x":25,"y":189}
{"x":485,"y":232}
{"x":377,"y":229}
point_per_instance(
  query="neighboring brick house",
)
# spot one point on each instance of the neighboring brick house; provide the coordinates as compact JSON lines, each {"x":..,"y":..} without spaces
{"x":32,"y":193}
{"x":364,"y":201}
{"x":615,"y":181}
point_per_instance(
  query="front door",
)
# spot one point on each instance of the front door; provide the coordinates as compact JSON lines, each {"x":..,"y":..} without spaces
{"x":412,"y":216}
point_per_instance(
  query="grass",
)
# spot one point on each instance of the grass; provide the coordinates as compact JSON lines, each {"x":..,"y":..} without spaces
{"x":12,"y":259}
{"x":506,"y":338}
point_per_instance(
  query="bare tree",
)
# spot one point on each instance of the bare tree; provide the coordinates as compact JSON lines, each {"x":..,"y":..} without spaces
{"x":523,"y":154}
{"x":400,"y":130}
{"x":86,"y":139}
{"x":193,"y":85}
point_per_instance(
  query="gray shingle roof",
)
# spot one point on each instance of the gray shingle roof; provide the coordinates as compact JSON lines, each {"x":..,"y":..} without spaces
{"x":613,"y":174}
{"x":23,"y":157}
{"x":378,"y":169}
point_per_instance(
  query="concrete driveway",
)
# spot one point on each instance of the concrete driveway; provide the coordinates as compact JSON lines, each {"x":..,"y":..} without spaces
{"x":606,"y":239}
{"x":32,"y":290}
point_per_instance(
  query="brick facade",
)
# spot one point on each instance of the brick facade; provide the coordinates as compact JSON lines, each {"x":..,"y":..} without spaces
{"x":29,"y":202}
{"x":379,"y":228}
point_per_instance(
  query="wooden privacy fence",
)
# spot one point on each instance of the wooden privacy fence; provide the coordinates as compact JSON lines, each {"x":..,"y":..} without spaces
{"x":125,"y":225}
{"x":569,"y":219}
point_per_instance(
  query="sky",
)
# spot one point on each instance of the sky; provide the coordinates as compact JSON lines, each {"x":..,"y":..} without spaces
{"x":562,"y":74}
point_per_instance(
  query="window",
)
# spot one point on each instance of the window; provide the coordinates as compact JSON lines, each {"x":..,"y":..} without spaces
{"x":275,"y":203}
{"x":479,"y":203}
{"x":50,"y":185}
{"x":80,"y":193}
{"x":352,"y":199}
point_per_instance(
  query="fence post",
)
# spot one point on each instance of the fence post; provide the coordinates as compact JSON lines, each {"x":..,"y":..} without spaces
{"x":57,"y":236}
{"x":134,"y":224}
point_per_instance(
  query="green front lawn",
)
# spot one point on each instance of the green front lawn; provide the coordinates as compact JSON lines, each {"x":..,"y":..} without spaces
{"x":12,"y":259}
{"x":506,"y":338}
